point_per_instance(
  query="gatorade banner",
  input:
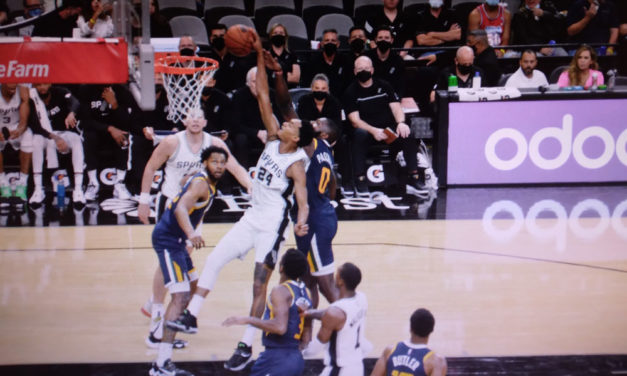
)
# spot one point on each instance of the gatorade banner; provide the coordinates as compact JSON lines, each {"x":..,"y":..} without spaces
{"x":553,"y":141}
{"x":73,"y":61}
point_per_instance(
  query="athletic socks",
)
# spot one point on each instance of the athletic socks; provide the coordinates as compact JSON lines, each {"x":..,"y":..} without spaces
{"x":249,"y":335}
{"x":37,"y":179}
{"x":93,"y":179}
{"x":195,"y":304}
{"x":23,"y":178}
{"x":165,"y":353}
{"x":78,"y":181}
{"x":121,"y":174}
{"x":156,"y":320}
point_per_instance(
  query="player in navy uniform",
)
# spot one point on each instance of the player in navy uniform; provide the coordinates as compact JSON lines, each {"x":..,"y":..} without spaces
{"x":413,"y":357}
{"x":173,"y":232}
{"x":283,"y":325}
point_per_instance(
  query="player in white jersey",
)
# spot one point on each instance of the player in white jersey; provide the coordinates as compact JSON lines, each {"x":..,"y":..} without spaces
{"x":280,"y":172}
{"x":14,"y":112}
{"x":181,"y":154}
{"x":343,"y":326}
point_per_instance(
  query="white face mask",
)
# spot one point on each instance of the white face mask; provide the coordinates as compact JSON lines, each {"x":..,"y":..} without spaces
{"x":436,"y":3}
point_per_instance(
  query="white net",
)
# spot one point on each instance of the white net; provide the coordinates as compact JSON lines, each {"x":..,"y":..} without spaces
{"x":184,"y":77}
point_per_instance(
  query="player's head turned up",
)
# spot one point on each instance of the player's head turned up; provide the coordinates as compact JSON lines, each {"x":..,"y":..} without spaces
{"x":349,"y":276}
{"x":422,"y":322}
{"x":326,"y":129}
{"x":214,"y":159}
{"x":195,"y":120}
{"x":306,"y":134}
{"x":293,"y":264}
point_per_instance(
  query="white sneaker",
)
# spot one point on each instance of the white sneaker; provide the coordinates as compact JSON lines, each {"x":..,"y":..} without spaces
{"x":92,"y":192}
{"x":120,"y":191}
{"x":78,"y":196}
{"x":38,"y":196}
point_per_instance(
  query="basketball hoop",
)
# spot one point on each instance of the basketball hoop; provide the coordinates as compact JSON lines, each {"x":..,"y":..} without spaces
{"x":184,"y":77}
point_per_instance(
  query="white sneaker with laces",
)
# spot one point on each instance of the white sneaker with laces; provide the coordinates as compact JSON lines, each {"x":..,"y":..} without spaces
{"x":92,"y":192}
{"x":38,"y":196}
{"x":78,"y":196}
{"x":120,"y":191}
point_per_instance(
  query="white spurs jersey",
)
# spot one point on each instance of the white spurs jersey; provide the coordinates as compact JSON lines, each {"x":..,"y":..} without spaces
{"x":272,"y":189}
{"x":10,"y":110}
{"x":345,"y":346}
{"x":182,"y":162}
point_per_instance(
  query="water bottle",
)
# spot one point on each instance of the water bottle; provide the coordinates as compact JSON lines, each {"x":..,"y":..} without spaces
{"x":476,"y":81}
{"x":611,"y":79}
{"x":595,"y":83}
{"x":60,"y":193}
{"x":452,"y":83}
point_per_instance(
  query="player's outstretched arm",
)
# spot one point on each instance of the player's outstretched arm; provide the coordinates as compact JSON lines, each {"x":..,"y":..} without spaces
{"x":283,"y":98}
{"x":263,"y":91}
{"x":198,"y":190}
{"x":159,"y":156}
{"x":380,"y":366}
{"x":332,"y":320}
{"x":280,"y":298}
{"x":297,"y":173}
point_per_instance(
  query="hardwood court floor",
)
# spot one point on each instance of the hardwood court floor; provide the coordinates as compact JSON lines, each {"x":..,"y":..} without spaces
{"x":497,"y":288}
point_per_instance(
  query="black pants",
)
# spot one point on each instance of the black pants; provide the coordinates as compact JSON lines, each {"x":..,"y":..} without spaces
{"x":362,"y":140}
{"x":101,"y":151}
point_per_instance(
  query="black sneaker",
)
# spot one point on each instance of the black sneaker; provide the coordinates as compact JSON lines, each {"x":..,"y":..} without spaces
{"x":168,"y":369}
{"x":241,"y":357}
{"x":185,"y":323}
{"x":361,"y":186}
{"x":416,"y":187}
{"x":153,"y":342}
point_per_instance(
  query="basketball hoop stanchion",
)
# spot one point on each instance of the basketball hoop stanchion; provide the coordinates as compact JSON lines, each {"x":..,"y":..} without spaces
{"x":184,"y":77}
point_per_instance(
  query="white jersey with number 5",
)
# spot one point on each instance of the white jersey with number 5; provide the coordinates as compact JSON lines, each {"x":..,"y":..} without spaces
{"x":272,"y":189}
{"x":345,"y":345}
{"x":10,"y":111}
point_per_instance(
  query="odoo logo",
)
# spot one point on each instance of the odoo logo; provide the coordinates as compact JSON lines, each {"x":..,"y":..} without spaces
{"x":568,"y":144}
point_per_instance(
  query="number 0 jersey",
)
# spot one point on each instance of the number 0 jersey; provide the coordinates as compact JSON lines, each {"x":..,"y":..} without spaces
{"x":407,"y":359}
{"x":272,"y":189}
{"x":295,"y":322}
{"x":319,"y":174}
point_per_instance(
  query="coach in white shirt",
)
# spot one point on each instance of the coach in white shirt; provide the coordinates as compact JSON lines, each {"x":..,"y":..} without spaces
{"x":527,"y":76}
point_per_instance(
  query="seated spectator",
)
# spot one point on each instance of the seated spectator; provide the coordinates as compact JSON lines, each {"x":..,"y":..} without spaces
{"x":622,"y":17}
{"x":332,"y":63}
{"x":159,"y":25}
{"x":32,"y":9}
{"x":231,"y":74}
{"x":249,"y":135}
{"x":464,"y":70}
{"x":95,"y":20}
{"x":527,"y":76}
{"x":388,"y":65}
{"x":593,"y":21}
{"x":357,"y":41}
{"x":59,"y":23}
{"x":399,"y":24}
{"x":319,"y":103}
{"x":437,"y":26}
{"x":217,"y":108}
{"x":495,"y":20}
{"x":53,"y":121}
{"x":371,"y":106}
{"x":485,"y":57}
{"x":582,"y":70}
{"x":279,"y":49}
{"x":536,"y":23}
{"x":105,"y":118}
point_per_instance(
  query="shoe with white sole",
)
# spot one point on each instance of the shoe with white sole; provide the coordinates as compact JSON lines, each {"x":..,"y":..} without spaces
{"x":78,"y":196}
{"x":38,"y":196}
{"x":92,"y":192}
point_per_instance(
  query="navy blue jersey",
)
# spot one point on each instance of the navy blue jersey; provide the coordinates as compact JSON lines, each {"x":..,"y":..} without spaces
{"x":319,"y":174}
{"x":168,"y":226}
{"x":295,"y":323}
{"x":408,"y":360}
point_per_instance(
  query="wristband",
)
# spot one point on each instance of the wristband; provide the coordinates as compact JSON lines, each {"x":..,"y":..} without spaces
{"x":92,"y":21}
{"x":144,"y":198}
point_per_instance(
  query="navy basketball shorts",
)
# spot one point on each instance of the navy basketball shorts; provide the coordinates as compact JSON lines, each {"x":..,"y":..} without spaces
{"x":174,"y":262}
{"x":316,"y":245}
{"x":279,"y":362}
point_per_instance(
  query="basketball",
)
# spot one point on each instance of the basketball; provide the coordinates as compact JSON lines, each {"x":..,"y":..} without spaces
{"x":238,"y":41}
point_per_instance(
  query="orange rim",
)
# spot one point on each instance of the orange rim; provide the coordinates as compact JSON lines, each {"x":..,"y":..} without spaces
{"x":165,"y":64}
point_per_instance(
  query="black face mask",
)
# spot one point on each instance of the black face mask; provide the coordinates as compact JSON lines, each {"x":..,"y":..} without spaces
{"x":187,"y":52}
{"x":384,"y":46}
{"x":320,"y":95}
{"x":278,"y":40}
{"x":464,"y":69}
{"x":206,"y":91}
{"x":329,"y":49}
{"x":159,"y":88}
{"x":363,"y":76}
{"x":357,"y":46}
{"x":218,"y":43}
